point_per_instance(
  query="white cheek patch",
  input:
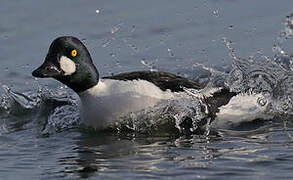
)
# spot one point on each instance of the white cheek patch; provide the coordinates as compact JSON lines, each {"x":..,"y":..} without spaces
{"x":67,"y":65}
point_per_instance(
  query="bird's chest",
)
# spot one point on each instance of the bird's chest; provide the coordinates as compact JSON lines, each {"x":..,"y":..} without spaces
{"x":110,"y":100}
{"x":100,"y":111}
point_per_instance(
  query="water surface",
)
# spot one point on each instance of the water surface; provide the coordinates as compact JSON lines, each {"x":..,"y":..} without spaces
{"x":40,"y":137}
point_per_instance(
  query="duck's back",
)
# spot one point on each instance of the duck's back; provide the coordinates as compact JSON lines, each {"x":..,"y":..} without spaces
{"x":163,"y":80}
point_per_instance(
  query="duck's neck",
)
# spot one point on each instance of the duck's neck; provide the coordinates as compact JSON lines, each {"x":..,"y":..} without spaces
{"x":83,"y":86}
{"x":80,"y":82}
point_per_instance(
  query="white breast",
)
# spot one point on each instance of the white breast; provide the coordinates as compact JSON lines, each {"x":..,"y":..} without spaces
{"x":106,"y":102}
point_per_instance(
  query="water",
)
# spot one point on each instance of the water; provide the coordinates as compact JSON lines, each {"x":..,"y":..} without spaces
{"x":244,"y":45}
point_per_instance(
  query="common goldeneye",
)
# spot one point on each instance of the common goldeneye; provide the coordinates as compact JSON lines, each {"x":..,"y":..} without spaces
{"x":103,"y":100}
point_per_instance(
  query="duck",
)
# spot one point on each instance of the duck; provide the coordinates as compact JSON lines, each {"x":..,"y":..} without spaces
{"x":104,"y":99}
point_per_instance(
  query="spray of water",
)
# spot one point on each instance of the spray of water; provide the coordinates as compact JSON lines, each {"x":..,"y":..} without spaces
{"x":271,"y":77}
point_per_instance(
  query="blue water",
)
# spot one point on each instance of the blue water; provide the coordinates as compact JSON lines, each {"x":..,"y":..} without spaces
{"x":39,"y":142}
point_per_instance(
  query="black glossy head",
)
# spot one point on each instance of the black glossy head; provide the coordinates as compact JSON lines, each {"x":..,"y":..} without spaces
{"x":69,"y":61}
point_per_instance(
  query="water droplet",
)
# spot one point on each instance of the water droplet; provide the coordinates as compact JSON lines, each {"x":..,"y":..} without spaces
{"x":150,"y":65}
{"x":116,"y":28}
{"x":262,"y":101}
{"x":285,"y":106}
{"x":216,"y":13}
{"x":5,"y":102}
{"x":133,"y":28}
{"x":170,"y":52}
{"x":289,"y":21}
{"x":25,"y":66}
{"x":133,"y":47}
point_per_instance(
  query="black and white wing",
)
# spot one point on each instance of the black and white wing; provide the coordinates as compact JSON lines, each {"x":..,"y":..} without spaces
{"x":163,"y":80}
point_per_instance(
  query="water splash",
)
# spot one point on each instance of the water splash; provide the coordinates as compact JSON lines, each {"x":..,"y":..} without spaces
{"x":284,"y":35}
{"x":62,"y":118}
{"x":185,"y":115}
{"x":150,"y":65}
{"x":24,"y":100}
{"x":49,"y":112}
{"x":40,"y":110}
{"x":271,"y":77}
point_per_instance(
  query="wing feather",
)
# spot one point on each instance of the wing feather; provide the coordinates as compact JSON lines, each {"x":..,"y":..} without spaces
{"x":163,"y":80}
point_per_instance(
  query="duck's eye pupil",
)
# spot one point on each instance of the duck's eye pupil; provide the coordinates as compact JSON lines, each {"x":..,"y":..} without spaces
{"x":73,"y":53}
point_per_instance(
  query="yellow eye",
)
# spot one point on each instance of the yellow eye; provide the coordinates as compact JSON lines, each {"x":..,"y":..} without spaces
{"x":74,"y":53}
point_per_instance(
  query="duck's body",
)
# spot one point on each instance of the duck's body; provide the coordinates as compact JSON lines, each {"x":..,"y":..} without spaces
{"x":104,"y":100}
{"x":120,"y":94}
{"x":110,"y":99}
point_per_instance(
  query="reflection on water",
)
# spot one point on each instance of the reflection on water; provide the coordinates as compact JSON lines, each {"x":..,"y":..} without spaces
{"x":110,"y":156}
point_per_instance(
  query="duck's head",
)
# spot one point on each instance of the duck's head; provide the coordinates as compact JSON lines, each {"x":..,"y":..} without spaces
{"x":69,"y":61}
